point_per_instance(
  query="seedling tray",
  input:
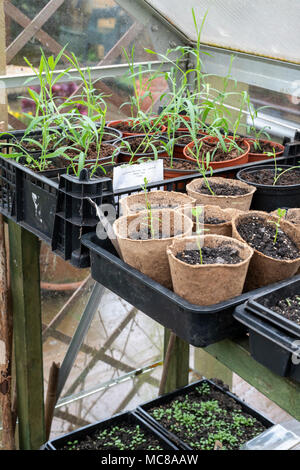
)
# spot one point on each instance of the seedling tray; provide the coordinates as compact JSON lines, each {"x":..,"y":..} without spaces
{"x":142,"y":410}
{"x":283,"y":290}
{"x":197,"y":325}
{"x":124,"y":418}
{"x":271,"y":346}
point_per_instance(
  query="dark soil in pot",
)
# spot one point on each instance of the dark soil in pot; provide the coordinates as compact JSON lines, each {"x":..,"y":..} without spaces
{"x":266,"y":177}
{"x":218,"y":153}
{"x":106,"y":151}
{"x":212,"y":220}
{"x":288,"y":307}
{"x":180,"y":164}
{"x":265,"y":147}
{"x":124,"y":126}
{"x":211,"y":255}
{"x":260,"y":235}
{"x":141,"y":145}
{"x":221,"y":189}
{"x":117,"y":437}
{"x":206,"y":415}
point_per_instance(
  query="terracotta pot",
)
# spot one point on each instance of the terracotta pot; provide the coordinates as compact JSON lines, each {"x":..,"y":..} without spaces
{"x":149,"y":256}
{"x":242,"y":159}
{"x":241,"y":202}
{"x":264,"y":270}
{"x":136,"y":202}
{"x":208,"y":284}
{"x":128,"y":134}
{"x":224,"y":228}
{"x":258,"y":157}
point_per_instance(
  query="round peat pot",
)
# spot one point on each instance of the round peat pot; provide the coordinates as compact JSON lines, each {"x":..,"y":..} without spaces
{"x":258,"y":157}
{"x":208,"y":284}
{"x":215,"y":165}
{"x":126,"y":156}
{"x":145,"y":253}
{"x":126,"y":133}
{"x":240,"y":201}
{"x":269,"y":197}
{"x":158,"y":199}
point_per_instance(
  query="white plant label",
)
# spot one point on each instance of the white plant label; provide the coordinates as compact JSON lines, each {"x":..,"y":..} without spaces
{"x":128,"y":176}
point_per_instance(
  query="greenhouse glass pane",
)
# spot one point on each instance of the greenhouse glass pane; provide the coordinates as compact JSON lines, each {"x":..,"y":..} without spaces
{"x":267,"y":28}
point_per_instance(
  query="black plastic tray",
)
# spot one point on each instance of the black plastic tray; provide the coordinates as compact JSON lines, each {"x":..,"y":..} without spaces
{"x":125,"y":417}
{"x":142,"y":410}
{"x":285,"y":289}
{"x":197,"y":325}
{"x":270,"y":346}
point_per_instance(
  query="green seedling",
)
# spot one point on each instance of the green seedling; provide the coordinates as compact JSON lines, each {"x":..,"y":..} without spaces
{"x":280,"y":214}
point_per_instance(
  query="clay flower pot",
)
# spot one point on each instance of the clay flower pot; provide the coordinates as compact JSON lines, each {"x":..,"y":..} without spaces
{"x":208,"y":284}
{"x":240,"y":160}
{"x":149,"y":255}
{"x":241,"y":202}
{"x":164,"y":199}
{"x":212,"y":212}
{"x":258,"y":156}
{"x":264,"y":270}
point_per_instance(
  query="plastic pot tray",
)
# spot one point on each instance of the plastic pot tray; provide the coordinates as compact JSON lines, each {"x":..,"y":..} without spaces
{"x":142,"y":410}
{"x":197,"y":325}
{"x":271,"y":346}
{"x":125,"y":418}
{"x":283,"y":290}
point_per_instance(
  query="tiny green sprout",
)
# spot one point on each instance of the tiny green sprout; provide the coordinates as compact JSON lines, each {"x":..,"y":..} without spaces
{"x":280,"y":214}
{"x":197,"y":211}
{"x":149,"y":209}
{"x":288,"y":302}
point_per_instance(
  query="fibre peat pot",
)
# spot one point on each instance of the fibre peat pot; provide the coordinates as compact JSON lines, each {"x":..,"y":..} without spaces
{"x":158,"y":199}
{"x":197,"y":283}
{"x":271,"y":346}
{"x":263,"y":269}
{"x":149,"y":255}
{"x":261,"y":305}
{"x":213,"y":219}
{"x":197,"y":325}
{"x":268,"y":197}
{"x":145,"y":409}
{"x":241,"y":202}
{"x":123,"y":419}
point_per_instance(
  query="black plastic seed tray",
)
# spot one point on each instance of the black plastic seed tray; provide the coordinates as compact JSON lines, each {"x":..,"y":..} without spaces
{"x":272,"y":295}
{"x":197,"y":325}
{"x":271,"y":346}
{"x":143,"y":410}
{"x":120,"y":419}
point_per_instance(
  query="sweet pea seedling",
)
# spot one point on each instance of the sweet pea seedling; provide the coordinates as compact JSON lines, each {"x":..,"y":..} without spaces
{"x":280,"y":214}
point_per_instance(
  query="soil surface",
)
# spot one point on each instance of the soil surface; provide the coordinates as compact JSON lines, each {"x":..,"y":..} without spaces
{"x":266,"y":177}
{"x":106,"y":151}
{"x":223,"y":189}
{"x":214,"y":220}
{"x":288,"y":307}
{"x":219,"y":255}
{"x":182,"y":138}
{"x":206,"y":415}
{"x":128,"y":127}
{"x":217,"y":154}
{"x":141,"y":145}
{"x":145,"y":233}
{"x":124,"y":436}
{"x":263,"y":147}
{"x":177,"y":164}
{"x":260,"y":235}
